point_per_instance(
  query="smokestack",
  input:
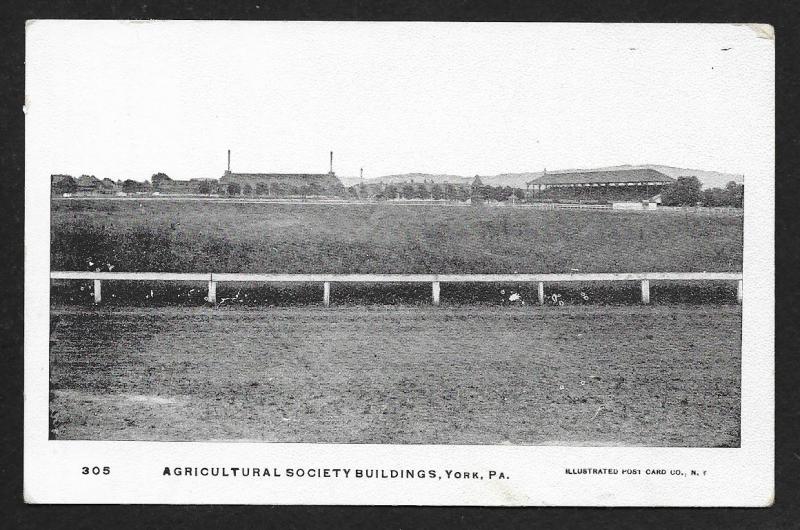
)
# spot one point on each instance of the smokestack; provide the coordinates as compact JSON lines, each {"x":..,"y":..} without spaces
{"x":331,"y":161}
{"x":229,"y":160}
{"x":362,"y":173}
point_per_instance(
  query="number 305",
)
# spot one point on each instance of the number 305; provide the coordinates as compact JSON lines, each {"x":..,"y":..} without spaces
{"x":105,"y":470}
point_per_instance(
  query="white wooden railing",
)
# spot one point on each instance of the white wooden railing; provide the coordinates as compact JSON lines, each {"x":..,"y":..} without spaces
{"x":434,"y":279}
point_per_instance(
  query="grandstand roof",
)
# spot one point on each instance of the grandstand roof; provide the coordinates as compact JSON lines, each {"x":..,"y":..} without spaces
{"x":604,"y":177}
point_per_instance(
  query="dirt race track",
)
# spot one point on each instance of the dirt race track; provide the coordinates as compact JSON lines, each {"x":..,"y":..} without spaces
{"x":629,"y":375}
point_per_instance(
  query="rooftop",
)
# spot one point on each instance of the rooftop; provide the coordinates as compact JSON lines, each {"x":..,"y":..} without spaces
{"x":604,"y":177}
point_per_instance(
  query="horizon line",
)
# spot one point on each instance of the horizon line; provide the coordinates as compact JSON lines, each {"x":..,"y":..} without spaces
{"x":508,"y":173}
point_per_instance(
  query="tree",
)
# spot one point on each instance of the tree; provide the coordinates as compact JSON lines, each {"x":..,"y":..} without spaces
{"x":684,"y":192}
{"x":131,"y":186}
{"x":234,"y":189}
{"x":436,"y":192}
{"x":159,"y":179}
{"x":480,"y":193}
{"x":315,"y":188}
{"x":281,"y":189}
{"x":288,"y":190}
{"x":736,"y":194}
{"x":715,"y":197}
{"x":460,"y":193}
{"x":456,"y":192}
{"x":731,"y":195}
{"x":204,"y":187}
{"x":247,"y":189}
{"x":63,"y":184}
{"x":408,"y":191}
{"x":339,"y":190}
{"x":496,"y":193}
{"x":519,"y":193}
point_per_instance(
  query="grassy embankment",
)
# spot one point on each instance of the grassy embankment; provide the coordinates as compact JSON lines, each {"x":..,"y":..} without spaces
{"x":222,"y":237}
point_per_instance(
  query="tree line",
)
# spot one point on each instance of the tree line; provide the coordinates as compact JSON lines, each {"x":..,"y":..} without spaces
{"x":435,"y":191}
{"x":687,"y":191}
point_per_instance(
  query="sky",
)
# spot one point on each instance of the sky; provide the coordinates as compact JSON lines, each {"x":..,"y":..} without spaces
{"x":129,"y":99}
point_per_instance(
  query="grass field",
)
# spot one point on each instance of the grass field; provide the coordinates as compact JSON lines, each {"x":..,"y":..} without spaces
{"x":627,"y":375}
{"x":383,"y":366}
{"x":314,"y":238}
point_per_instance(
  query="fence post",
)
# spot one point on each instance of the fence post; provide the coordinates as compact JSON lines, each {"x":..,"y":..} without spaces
{"x":541,"y":293}
{"x":212,"y":291}
{"x":739,"y":291}
{"x":98,"y":296}
{"x":435,"y":293}
{"x":645,"y":291}
{"x":326,"y":293}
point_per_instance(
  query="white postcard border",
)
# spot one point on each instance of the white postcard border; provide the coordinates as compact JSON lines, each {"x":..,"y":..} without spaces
{"x":535,"y":474}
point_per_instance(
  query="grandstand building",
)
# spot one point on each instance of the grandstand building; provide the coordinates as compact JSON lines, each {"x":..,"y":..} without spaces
{"x":616,"y":185}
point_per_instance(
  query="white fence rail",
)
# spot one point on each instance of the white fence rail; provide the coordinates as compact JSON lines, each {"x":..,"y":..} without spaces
{"x":434,"y":279}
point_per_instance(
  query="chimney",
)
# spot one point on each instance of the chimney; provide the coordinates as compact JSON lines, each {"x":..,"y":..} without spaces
{"x":229,"y":160}
{"x":331,"y":161}
{"x":362,"y":173}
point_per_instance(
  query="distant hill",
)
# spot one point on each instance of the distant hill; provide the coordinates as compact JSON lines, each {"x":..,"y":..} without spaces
{"x":515,"y":180}
{"x":350,"y":181}
{"x":709,"y":179}
{"x":420,"y":177}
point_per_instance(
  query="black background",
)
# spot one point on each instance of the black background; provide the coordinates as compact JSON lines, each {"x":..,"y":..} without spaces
{"x":783,"y":15}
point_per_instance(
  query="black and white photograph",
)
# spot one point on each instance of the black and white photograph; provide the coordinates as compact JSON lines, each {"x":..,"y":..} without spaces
{"x":354,"y":236}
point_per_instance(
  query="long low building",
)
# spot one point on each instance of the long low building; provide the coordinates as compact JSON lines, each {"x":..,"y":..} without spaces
{"x":280,"y":184}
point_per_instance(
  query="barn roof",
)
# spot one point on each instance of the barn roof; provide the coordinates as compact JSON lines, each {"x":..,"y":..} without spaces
{"x":604,"y":177}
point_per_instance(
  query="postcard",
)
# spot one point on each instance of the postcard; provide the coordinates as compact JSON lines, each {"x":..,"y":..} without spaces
{"x":495,"y":264}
